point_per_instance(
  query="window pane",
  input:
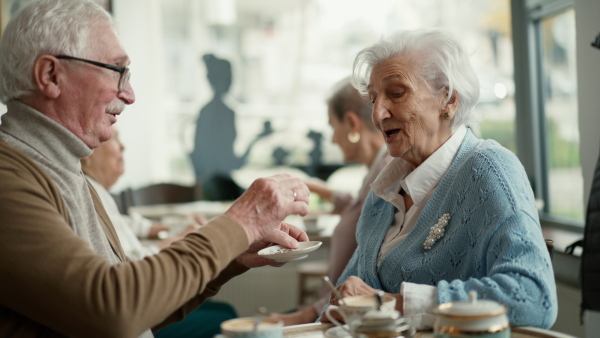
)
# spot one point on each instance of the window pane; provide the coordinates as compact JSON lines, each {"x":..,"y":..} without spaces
{"x":286,"y":56}
{"x":496,"y":104}
{"x":559,"y":90}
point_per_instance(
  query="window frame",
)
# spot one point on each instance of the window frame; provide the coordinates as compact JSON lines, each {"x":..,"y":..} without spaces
{"x":531,"y":136}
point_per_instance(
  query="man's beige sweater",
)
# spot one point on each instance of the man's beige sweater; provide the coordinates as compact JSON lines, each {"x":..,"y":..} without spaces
{"x":53,"y":283}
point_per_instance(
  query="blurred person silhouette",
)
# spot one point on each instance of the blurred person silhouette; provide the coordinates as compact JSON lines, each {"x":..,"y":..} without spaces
{"x":353,"y":131}
{"x":451,"y":213}
{"x":102,"y":169}
{"x":316,"y":153}
{"x":213,"y":156}
{"x":64,"y":77}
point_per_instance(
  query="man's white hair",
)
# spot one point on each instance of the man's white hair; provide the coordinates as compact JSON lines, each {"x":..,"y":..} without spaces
{"x":45,"y":27}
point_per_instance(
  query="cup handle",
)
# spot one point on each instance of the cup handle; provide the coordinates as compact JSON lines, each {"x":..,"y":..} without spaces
{"x":333,"y":320}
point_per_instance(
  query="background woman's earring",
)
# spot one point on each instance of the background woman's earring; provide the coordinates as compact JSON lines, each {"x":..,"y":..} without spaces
{"x":354,"y":137}
{"x":446,"y":114}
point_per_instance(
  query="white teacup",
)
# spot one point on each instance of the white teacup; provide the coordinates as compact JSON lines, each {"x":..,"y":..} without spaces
{"x":353,"y":309}
{"x":244,"y":328}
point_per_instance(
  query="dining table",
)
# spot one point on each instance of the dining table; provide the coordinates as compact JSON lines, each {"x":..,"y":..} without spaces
{"x":160,"y":212}
{"x":318,"y":224}
{"x":319,"y":330}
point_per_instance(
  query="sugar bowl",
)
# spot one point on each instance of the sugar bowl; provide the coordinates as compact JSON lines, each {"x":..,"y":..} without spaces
{"x":474,"y":318}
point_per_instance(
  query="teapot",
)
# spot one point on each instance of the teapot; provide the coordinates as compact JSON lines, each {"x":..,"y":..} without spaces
{"x":474,"y":318}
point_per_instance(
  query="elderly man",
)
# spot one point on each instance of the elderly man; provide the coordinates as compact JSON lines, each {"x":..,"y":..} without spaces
{"x":64,"y":79}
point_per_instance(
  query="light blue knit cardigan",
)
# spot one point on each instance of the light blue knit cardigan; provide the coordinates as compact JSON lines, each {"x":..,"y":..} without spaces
{"x":493,"y":242}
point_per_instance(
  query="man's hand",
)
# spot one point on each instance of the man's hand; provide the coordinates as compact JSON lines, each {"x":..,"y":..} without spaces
{"x":287,"y":235}
{"x":262,"y":208}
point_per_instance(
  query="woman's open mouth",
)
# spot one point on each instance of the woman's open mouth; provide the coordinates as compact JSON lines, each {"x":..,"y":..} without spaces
{"x":390,"y":134}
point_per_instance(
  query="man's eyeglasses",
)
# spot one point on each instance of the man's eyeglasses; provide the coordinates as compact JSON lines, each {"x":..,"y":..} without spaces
{"x":124,"y":71}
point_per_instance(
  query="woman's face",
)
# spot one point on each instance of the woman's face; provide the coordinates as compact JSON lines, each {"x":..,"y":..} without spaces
{"x":108,"y":158}
{"x":405,"y":111}
{"x":341,"y":129}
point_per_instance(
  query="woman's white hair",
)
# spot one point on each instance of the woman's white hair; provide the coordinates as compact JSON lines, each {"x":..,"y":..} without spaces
{"x":444,"y":66}
{"x":45,"y":27}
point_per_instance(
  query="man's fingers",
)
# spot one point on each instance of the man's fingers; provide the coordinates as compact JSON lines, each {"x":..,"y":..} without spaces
{"x":294,"y":232}
{"x":282,"y":238}
{"x":266,"y":203}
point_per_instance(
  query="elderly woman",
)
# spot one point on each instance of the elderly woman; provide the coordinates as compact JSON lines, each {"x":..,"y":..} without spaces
{"x":360,"y":142}
{"x":451,"y":213}
{"x":102,"y":169}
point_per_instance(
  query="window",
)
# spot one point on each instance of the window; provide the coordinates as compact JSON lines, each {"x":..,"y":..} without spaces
{"x":285,"y":57}
{"x":549,"y":138}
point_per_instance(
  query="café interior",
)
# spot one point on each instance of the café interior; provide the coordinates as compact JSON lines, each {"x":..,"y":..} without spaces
{"x":539,"y":78}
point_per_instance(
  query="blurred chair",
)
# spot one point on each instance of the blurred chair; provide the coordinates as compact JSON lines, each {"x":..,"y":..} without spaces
{"x":310,"y":281}
{"x":121,"y":201}
{"x":163,"y":193}
{"x":221,"y":188}
{"x":550,"y":246}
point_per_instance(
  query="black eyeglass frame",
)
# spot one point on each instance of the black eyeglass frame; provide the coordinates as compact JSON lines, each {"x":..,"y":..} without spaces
{"x":123,"y":71}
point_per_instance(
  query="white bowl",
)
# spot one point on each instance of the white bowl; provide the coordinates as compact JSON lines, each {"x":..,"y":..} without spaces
{"x":282,"y":254}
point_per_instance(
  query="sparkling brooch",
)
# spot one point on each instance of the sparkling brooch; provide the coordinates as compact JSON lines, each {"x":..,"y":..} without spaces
{"x":437,"y":231}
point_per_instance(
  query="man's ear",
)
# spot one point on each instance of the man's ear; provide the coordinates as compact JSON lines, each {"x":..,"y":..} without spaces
{"x":46,"y":73}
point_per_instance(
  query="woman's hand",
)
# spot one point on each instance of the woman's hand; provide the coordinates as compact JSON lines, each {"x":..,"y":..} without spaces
{"x":320,"y":188}
{"x":304,"y":316}
{"x":354,"y":286}
{"x":155,"y":228}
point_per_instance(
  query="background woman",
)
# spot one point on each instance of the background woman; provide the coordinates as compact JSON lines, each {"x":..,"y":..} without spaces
{"x":354,"y":132}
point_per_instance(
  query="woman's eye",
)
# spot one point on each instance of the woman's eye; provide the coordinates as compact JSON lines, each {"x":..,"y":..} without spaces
{"x":397,"y":94}
{"x":372,"y":99}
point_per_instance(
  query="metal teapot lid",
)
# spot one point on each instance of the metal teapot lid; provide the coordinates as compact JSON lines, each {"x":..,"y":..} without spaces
{"x":473,"y":308}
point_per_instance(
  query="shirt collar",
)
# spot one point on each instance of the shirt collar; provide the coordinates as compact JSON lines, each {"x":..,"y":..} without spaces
{"x":422,"y":180}
{"x":426,"y":177}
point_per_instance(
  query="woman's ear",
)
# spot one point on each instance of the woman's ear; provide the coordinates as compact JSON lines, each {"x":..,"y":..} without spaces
{"x":46,"y":73}
{"x":353,"y":120}
{"x":452,"y":104}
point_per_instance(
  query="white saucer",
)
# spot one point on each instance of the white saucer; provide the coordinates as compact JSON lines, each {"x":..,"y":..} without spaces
{"x":282,"y":254}
{"x":337,"y":332}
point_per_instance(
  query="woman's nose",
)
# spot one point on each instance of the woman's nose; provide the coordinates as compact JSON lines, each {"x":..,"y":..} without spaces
{"x":380,"y":111}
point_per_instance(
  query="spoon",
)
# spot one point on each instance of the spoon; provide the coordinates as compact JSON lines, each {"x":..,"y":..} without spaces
{"x":259,"y":314}
{"x":332,"y":287}
{"x":379,"y":299}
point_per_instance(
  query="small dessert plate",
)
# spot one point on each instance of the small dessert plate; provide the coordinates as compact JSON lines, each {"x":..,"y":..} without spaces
{"x":338,"y":332}
{"x":282,"y":254}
